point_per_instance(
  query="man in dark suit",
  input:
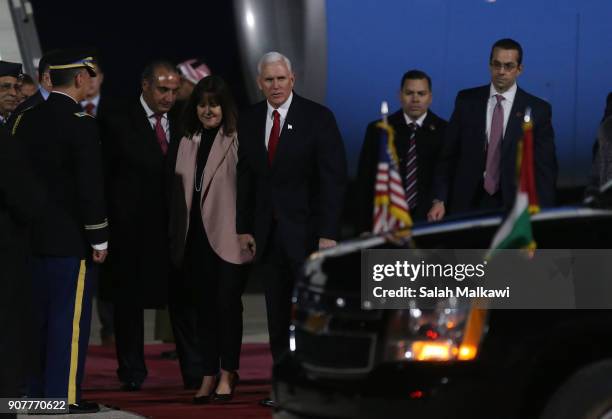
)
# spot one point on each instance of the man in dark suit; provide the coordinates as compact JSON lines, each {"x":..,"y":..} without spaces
{"x":63,"y":147}
{"x":96,"y":104}
{"x":140,"y":263}
{"x":291,"y":183}
{"x":419,"y":135}
{"x":477,"y":169}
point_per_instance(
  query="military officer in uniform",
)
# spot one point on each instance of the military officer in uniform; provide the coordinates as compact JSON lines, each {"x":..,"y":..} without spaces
{"x":62,"y":143}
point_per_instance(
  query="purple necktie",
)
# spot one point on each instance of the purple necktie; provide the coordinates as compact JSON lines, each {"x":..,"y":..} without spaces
{"x":491,"y":179}
{"x":411,"y":168}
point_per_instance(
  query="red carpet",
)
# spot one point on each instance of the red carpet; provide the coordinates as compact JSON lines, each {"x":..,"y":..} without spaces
{"x":162,"y":395}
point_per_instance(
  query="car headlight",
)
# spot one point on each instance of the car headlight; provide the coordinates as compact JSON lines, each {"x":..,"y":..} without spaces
{"x":452,"y":331}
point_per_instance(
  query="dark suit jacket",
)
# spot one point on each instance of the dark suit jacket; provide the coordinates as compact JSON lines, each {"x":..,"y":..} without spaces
{"x":304,"y":188}
{"x":108,"y":112}
{"x":20,"y":202}
{"x":35,"y":99}
{"x":63,"y":146}
{"x":429,"y":140}
{"x":459,"y":178}
{"x":109,"y":115}
{"x":138,"y":262}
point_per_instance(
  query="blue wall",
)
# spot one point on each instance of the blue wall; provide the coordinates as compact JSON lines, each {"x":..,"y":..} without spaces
{"x":567,"y":60}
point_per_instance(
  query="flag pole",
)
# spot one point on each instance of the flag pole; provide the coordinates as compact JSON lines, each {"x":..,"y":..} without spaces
{"x":403,"y":235}
{"x":384,"y":110}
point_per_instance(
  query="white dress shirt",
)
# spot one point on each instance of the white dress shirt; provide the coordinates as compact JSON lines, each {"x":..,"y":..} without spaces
{"x":153,"y":120}
{"x":419,"y":121}
{"x":282,"y":110}
{"x":506,"y":105}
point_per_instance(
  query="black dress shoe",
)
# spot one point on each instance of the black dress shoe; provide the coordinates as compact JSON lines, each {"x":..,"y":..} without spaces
{"x":83,"y":407}
{"x":224,"y":398}
{"x":131,"y":386}
{"x":267,"y":402}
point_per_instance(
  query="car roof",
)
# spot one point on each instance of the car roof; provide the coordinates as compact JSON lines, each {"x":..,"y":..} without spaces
{"x":460,"y":224}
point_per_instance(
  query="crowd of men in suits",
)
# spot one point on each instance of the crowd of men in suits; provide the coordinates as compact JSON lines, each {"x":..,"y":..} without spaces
{"x":93,"y":173}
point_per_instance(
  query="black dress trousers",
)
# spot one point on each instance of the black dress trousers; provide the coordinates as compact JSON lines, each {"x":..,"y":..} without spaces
{"x":278,"y":272}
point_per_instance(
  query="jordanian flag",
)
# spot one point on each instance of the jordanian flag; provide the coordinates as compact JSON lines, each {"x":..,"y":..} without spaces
{"x":515,"y":232}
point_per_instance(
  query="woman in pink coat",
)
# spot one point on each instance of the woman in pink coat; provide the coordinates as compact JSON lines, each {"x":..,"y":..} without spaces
{"x":203,"y":230}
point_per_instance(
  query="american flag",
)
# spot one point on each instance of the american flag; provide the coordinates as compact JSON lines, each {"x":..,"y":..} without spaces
{"x":390,"y":207}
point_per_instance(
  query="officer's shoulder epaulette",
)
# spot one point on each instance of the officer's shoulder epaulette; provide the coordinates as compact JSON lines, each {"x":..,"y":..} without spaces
{"x":18,"y":120}
{"x":82,"y":114}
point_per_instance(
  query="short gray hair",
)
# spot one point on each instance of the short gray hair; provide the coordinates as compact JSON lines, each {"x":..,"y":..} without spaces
{"x":272,"y":57}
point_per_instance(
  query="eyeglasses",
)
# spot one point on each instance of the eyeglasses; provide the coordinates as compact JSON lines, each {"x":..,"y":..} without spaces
{"x":8,"y":86}
{"x":506,"y":66}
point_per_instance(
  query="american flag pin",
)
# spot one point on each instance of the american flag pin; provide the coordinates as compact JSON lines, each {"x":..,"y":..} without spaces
{"x":289,"y":126}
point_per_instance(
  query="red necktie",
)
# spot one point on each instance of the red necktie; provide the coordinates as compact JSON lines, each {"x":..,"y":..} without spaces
{"x":161,"y":134}
{"x":274,"y":134}
{"x":89,"y":108}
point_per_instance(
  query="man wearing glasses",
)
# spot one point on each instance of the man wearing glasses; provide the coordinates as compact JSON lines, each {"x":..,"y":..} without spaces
{"x":477,"y":167}
{"x":10,"y":83}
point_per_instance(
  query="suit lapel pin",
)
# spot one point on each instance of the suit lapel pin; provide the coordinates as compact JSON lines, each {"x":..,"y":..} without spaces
{"x":289,"y":126}
{"x":432,"y":127}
